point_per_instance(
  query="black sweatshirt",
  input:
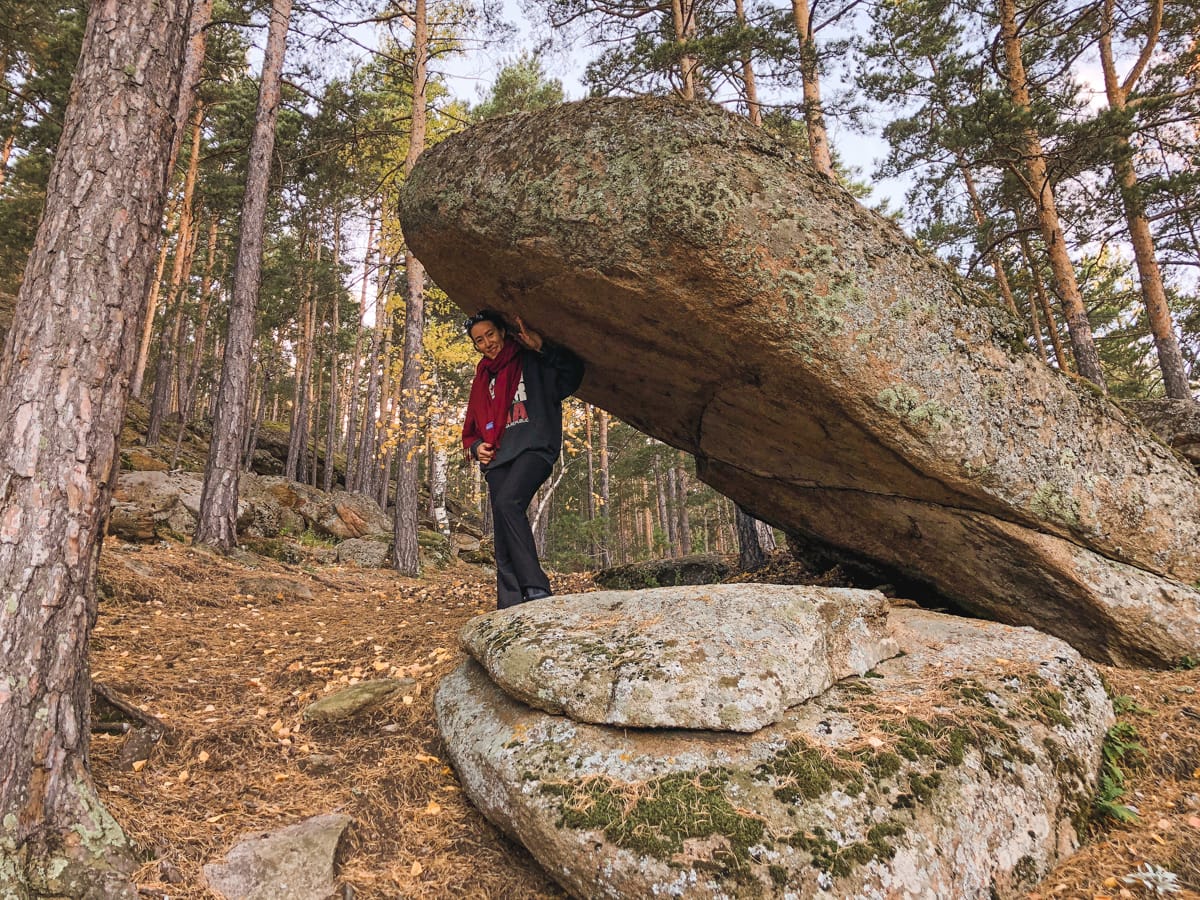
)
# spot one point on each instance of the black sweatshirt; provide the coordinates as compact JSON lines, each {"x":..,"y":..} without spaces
{"x":535,"y":419}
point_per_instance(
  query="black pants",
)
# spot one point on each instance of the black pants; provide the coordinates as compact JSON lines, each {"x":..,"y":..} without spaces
{"x":510,"y":488}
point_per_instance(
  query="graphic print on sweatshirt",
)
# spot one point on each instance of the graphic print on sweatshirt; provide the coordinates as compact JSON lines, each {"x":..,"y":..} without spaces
{"x":517,"y":413}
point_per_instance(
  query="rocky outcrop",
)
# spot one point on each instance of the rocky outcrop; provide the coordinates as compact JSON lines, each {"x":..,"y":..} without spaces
{"x":700,"y":568}
{"x":1175,"y":421}
{"x":962,"y":768}
{"x":147,"y":504}
{"x":296,"y":862}
{"x":732,"y":658}
{"x":826,"y":374}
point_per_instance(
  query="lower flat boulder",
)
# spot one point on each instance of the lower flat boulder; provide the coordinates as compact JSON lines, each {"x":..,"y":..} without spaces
{"x":731,"y":657}
{"x":963,"y":768}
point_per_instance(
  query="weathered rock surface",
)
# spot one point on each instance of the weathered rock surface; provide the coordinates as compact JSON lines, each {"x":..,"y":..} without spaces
{"x":1175,"y":421}
{"x":147,"y":502}
{"x":827,"y":375}
{"x":353,"y":700}
{"x":731,"y":658}
{"x":961,"y":770}
{"x":360,"y":552}
{"x":295,"y":862}
{"x":702,"y":568}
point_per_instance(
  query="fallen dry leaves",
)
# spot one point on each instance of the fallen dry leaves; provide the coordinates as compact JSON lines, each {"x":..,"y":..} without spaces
{"x":230,"y":674}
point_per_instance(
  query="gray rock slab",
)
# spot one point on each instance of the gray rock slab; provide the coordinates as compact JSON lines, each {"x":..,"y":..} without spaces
{"x":727,"y":657}
{"x":363,"y":552}
{"x":294,"y":863}
{"x":960,"y":771}
{"x":353,"y":700}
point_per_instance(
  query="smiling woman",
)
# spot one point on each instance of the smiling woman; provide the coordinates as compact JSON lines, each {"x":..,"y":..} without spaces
{"x":514,"y":429}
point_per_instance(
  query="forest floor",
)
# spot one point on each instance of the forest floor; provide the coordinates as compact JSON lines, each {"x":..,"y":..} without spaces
{"x":229,"y":673}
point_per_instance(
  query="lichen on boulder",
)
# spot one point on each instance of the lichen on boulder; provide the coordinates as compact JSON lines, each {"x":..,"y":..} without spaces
{"x":730,"y":657}
{"x":963,"y":767}
{"x":826,"y":374}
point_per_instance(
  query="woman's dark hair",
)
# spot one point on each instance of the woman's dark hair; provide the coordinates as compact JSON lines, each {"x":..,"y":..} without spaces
{"x":486,"y":315}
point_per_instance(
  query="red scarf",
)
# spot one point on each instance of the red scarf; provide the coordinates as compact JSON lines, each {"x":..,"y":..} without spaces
{"x":486,"y":409}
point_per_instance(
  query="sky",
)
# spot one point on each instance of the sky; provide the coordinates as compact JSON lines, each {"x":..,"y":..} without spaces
{"x":470,"y":75}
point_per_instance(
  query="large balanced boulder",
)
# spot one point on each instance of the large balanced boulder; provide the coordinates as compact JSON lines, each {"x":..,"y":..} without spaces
{"x":963,"y":767}
{"x":734,"y":657}
{"x":826,"y":374}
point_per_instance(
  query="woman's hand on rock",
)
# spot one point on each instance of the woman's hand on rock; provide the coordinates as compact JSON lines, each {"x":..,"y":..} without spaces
{"x":527,"y":338}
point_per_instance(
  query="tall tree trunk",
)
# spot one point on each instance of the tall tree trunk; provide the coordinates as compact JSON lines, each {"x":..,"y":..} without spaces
{"x":439,"y":463}
{"x":193,"y":65}
{"x":404,"y":536}
{"x":684,"y":529}
{"x":139,"y":369}
{"x":605,"y":484}
{"x":389,"y":404}
{"x":331,"y":418}
{"x":353,"y":476}
{"x":1042,"y":192}
{"x":766,"y":536}
{"x":1154,"y":295}
{"x":1039,"y":291}
{"x":295,"y":468}
{"x":683,"y":19}
{"x":995,"y":260}
{"x":184,"y":248}
{"x":217,"y":525}
{"x":364,"y":469}
{"x":590,"y":500}
{"x":164,"y":369}
{"x":187,"y":393}
{"x":64,"y":384}
{"x":750,"y":552}
{"x":753,"y":109}
{"x":666,"y":504}
{"x":814,"y":112}
{"x":314,"y":423}
{"x":647,"y":518}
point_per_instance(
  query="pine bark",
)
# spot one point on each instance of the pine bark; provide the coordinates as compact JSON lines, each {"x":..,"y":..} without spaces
{"x":1042,"y":194}
{"x":1039,"y":291}
{"x":295,"y":468}
{"x":404,"y":537}
{"x":352,"y":425}
{"x":217,"y":525}
{"x":684,"y":529}
{"x":814,"y":112}
{"x":605,"y":484}
{"x":187,"y":398}
{"x":750,"y":551}
{"x":683,"y":20}
{"x":1154,"y":294}
{"x":364,"y":469}
{"x":331,"y":418}
{"x":184,"y":250}
{"x":64,"y":384}
{"x":193,"y":65}
{"x":139,"y":368}
{"x":753,"y":108}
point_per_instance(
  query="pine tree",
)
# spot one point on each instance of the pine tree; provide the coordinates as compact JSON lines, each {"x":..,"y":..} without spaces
{"x":64,"y":380}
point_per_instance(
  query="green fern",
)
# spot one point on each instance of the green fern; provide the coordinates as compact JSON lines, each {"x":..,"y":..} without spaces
{"x":1121,"y":749}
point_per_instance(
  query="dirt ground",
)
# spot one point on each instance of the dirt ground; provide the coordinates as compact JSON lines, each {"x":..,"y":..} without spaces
{"x":228,"y":665}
